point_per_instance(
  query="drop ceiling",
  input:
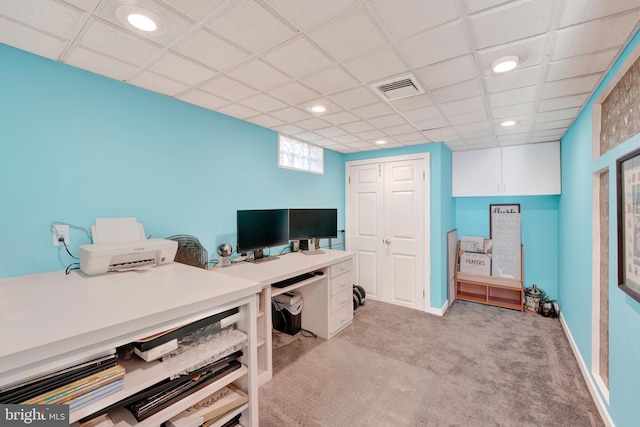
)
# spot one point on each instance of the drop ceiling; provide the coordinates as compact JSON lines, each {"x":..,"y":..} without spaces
{"x":267,"y":61}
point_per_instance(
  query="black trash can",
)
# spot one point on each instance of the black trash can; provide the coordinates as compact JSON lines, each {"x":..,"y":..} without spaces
{"x":286,"y":312}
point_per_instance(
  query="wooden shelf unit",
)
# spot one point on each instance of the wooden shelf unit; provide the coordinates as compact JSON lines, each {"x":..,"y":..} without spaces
{"x":498,"y":291}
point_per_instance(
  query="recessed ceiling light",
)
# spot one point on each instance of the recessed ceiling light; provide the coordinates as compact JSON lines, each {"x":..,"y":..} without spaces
{"x":140,"y":19}
{"x":317,"y":108}
{"x":142,"y":22}
{"x":505,"y":63}
{"x":381,"y":142}
{"x":508,"y":123}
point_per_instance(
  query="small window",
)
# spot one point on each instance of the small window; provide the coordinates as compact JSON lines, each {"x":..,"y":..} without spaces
{"x":298,"y":155}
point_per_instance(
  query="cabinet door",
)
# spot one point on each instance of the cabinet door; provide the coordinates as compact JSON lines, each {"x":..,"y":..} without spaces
{"x":477,"y":173}
{"x":531,"y":169}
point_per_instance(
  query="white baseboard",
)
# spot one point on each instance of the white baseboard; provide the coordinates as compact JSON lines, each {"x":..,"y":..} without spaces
{"x":438,"y":311}
{"x":591,"y":385}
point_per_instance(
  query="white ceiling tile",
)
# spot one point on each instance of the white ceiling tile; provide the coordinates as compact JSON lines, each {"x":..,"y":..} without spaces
{"x":181,"y":69}
{"x":560,"y":124}
{"x":227,"y":88}
{"x":425,"y":113}
{"x":535,"y":140}
{"x":86,"y":5}
{"x":291,"y":114}
{"x":172,"y":26}
{"x":571,"y":86}
{"x":475,"y":134}
{"x":552,"y":116}
{"x":158,"y":83}
{"x":360,"y":145}
{"x":462,"y":106}
{"x":510,"y":111}
{"x":373,"y":110}
{"x":513,"y":80}
{"x":553,"y":133}
{"x":349,"y":36}
{"x":515,"y":21}
{"x":400,"y":129}
{"x":293,"y":93}
{"x":112,"y":41}
{"x":331,"y":132}
{"x":198,"y":10}
{"x":30,"y":40}
{"x":414,"y":16}
{"x":474,"y":6}
{"x":259,"y":74}
{"x":514,"y":96}
{"x":289,"y":129}
{"x":210,"y":50}
{"x":345,"y":139}
{"x":411,"y":136}
{"x":251,"y":26}
{"x":388,"y":121}
{"x":354,"y":98}
{"x":586,"y":10}
{"x":100,"y":64}
{"x":203,"y":99}
{"x":506,"y":141}
{"x":332,"y":80}
{"x":266,"y":121}
{"x":458,"y":91}
{"x":439,"y":44}
{"x":412,"y":103}
{"x":579,"y":39}
{"x":359,"y":126}
{"x":54,"y":18}
{"x":306,"y":14}
{"x":238,"y":111}
{"x":447,"y":72}
{"x":580,"y":65}
{"x":431,"y":124}
{"x":263,"y":103}
{"x":381,"y":65}
{"x":309,"y":136}
{"x":370,"y":135}
{"x":471,"y":117}
{"x":340,"y":118}
{"x":440,"y":134}
{"x":298,"y":58}
{"x":563,"y":102}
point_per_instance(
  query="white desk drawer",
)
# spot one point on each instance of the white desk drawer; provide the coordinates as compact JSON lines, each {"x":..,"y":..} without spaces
{"x":342,"y":282}
{"x":340,"y":318}
{"x":340,"y":299}
{"x":339,"y":268}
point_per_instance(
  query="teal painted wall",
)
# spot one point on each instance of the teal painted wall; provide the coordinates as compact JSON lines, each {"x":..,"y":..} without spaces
{"x":578,"y":167}
{"x":539,"y":233}
{"x":75,"y":146}
{"x":442,"y":209}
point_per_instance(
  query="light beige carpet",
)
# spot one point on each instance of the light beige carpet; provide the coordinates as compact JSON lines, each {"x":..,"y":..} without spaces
{"x":476,"y":366}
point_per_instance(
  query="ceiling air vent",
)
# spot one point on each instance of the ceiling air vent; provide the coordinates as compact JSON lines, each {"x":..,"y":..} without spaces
{"x":398,"y":87}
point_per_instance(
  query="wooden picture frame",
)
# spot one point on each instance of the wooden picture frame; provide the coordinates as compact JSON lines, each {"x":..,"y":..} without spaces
{"x":628,"y":207}
{"x":501,"y":208}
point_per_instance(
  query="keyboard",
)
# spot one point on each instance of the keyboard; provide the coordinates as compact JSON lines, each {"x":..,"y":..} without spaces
{"x":290,"y":281}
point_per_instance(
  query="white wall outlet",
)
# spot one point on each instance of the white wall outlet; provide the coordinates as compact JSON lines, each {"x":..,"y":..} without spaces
{"x":58,"y":231}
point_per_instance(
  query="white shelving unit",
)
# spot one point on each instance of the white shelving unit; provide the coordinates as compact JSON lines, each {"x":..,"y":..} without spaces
{"x":71,"y":317}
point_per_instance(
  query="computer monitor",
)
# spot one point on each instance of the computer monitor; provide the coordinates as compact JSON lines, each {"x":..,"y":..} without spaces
{"x":308,"y":224}
{"x":261,"y":228}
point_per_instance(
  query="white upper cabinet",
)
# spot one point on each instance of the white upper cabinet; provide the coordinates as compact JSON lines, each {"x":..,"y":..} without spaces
{"x":522,"y":170}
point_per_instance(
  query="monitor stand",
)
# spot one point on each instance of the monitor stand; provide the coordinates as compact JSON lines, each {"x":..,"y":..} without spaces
{"x":309,"y":247}
{"x":258,"y":257}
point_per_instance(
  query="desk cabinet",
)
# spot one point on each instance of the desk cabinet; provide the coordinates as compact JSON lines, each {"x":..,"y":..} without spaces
{"x":57,"y":320}
{"x":327,"y":298}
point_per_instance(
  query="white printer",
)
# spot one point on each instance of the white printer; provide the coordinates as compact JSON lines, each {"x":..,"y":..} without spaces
{"x":120,"y":245}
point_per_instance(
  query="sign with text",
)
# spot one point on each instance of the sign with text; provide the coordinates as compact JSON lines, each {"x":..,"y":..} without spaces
{"x":34,"y":415}
{"x":505,"y":233}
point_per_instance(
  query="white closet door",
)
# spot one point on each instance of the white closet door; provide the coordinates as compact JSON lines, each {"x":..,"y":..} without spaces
{"x":386,"y":219}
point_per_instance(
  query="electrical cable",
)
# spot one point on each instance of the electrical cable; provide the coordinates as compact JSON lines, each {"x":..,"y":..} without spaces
{"x":67,"y":248}
{"x":69,"y":269}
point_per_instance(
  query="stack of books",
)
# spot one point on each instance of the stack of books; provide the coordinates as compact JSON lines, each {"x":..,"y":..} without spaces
{"x":77,"y":385}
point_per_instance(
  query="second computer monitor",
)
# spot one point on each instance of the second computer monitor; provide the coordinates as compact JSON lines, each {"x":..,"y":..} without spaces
{"x":307,"y":224}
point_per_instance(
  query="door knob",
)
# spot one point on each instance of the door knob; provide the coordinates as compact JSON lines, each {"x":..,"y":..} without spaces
{"x":387,"y":241}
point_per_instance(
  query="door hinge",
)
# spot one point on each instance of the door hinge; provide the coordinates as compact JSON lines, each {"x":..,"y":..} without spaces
{"x":379,"y":170}
{"x":423,"y":294}
{"x":424,"y":175}
{"x":349,"y":180}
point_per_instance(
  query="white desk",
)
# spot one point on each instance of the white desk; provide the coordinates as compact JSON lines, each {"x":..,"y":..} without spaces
{"x":327,"y":298}
{"x":51,"y":320}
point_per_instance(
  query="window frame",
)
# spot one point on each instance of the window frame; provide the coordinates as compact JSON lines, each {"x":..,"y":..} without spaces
{"x":302,"y":143}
